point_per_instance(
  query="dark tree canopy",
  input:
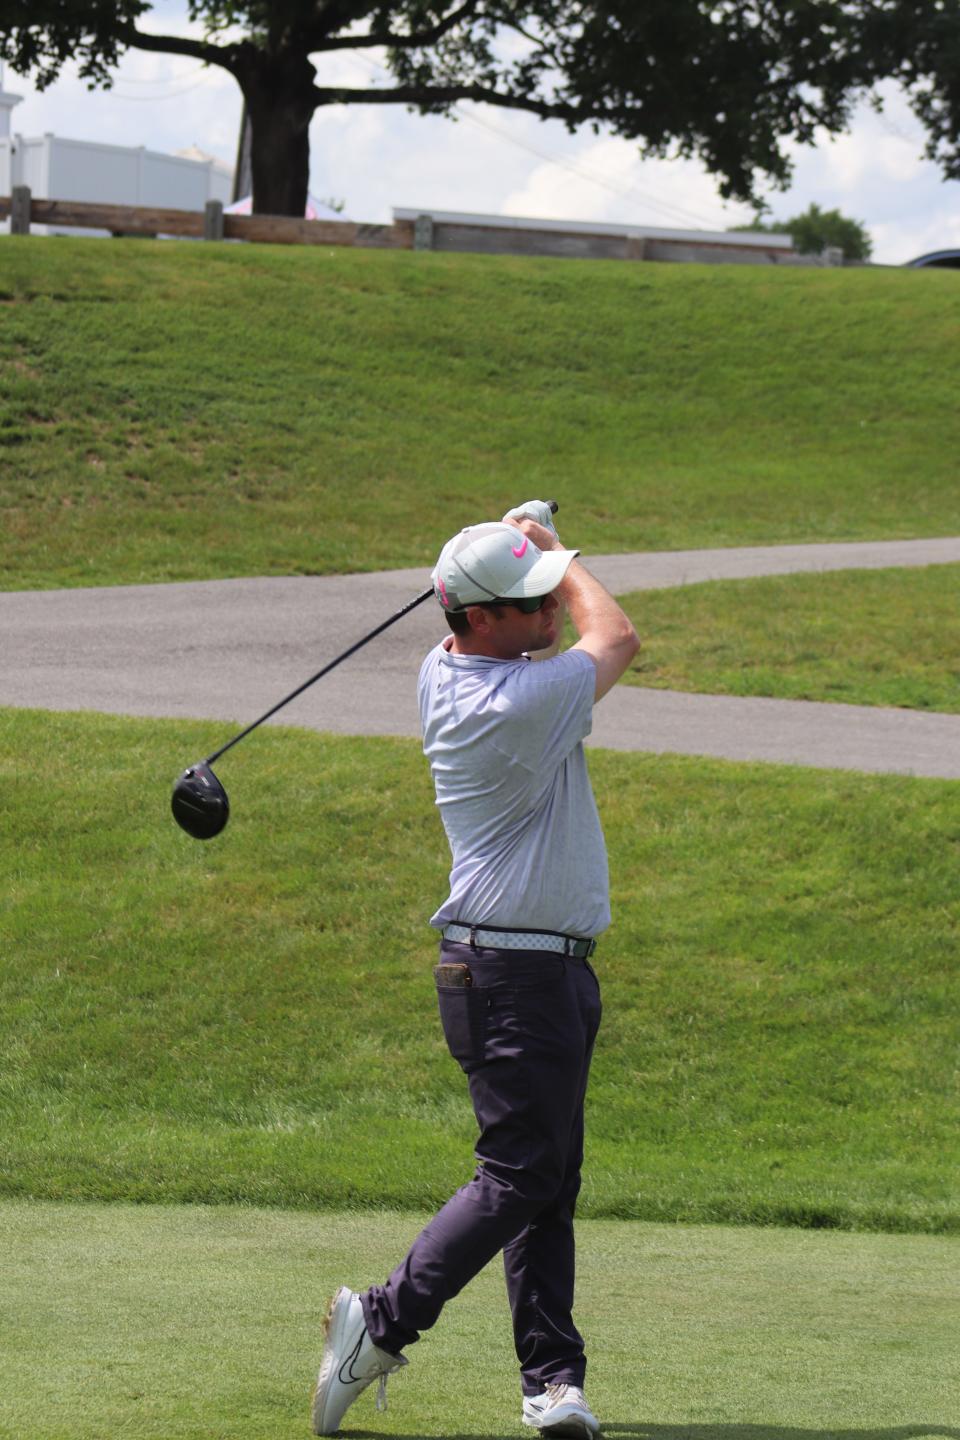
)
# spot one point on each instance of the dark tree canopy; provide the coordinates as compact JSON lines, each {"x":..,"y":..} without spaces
{"x":728,"y":81}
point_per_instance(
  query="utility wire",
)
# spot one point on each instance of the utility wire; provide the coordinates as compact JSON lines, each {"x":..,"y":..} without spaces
{"x":630,"y":192}
{"x":627,"y":192}
{"x":164,"y":80}
{"x":172,"y":95}
{"x":898,"y":132}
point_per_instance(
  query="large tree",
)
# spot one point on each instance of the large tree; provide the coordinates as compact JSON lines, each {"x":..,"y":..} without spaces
{"x":726,"y":80}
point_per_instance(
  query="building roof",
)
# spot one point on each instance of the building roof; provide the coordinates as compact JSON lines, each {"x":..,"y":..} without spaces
{"x":193,"y":152}
{"x":746,"y":238}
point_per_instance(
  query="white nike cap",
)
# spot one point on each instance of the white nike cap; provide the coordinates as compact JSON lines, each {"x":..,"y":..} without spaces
{"x":493,"y":561}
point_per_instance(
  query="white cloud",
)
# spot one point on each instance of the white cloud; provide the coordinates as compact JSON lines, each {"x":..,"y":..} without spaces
{"x":877,"y":174}
{"x":165,"y":102}
{"x":606,"y":180}
{"x":941,"y":233}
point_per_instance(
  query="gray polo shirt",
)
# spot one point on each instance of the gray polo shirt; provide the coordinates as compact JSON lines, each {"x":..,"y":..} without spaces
{"x":505,"y":743}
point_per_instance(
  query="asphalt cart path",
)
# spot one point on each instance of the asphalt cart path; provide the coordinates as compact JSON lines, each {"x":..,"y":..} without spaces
{"x":227,"y":650}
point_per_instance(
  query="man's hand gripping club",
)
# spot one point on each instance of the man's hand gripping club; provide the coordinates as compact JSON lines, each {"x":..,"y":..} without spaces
{"x":604,"y":631}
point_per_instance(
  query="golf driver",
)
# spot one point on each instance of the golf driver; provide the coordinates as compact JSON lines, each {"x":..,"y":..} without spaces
{"x":199,"y":801}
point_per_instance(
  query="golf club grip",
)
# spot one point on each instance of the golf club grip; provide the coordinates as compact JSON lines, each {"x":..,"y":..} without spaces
{"x":554,"y":507}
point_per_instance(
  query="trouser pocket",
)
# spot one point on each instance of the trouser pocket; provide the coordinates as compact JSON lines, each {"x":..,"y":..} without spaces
{"x":463,"y":1014}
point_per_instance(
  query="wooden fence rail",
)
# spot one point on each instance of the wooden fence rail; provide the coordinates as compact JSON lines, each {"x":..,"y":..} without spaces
{"x":480,"y":234}
{"x":208,"y":224}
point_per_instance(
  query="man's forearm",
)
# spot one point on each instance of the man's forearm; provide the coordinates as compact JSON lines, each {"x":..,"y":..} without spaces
{"x":593,"y":610}
{"x":606,"y":632}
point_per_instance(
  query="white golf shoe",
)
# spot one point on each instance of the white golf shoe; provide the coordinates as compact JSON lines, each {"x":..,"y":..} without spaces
{"x":349,"y":1363}
{"x":561,"y":1411}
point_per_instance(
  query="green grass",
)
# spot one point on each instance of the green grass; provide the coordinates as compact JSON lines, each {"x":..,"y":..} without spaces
{"x":150,"y":1323}
{"x":253,"y":1019}
{"x":196,"y":411}
{"x":884,"y":637}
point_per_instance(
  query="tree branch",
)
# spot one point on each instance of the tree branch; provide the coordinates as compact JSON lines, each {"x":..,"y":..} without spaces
{"x":176,"y":45}
{"x":543,"y":46}
{"x":391,"y":41}
{"x":449,"y":94}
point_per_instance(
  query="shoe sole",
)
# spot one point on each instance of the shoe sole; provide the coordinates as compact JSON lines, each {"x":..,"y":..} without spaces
{"x":327,"y":1361}
{"x":567,"y":1427}
{"x":571,"y":1429}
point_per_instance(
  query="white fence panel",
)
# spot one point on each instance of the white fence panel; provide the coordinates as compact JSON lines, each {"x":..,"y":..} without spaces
{"x":83,"y":171}
{"x":30,"y":164}
{"x":172,"y":183}
{"x":60,"y":169}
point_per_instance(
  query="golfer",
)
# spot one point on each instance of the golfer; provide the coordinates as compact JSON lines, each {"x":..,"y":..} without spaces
{"x":519,"y":1001}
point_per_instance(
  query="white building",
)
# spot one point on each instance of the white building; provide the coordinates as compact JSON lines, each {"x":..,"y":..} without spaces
{"x":57,"y":169}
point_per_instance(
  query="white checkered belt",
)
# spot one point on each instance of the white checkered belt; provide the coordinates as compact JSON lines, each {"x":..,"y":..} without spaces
{"x":489,"y":937}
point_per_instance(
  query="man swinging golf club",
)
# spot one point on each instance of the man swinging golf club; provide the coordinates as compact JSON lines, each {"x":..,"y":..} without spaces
{"x":519,"y":1001}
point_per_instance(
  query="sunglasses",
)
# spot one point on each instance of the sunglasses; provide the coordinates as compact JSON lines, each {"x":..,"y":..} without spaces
{"x":528,"y":604}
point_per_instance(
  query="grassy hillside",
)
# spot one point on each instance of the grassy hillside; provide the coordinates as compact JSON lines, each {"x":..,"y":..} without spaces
{"x":191,"y":411}
{"x":253,"y":1019}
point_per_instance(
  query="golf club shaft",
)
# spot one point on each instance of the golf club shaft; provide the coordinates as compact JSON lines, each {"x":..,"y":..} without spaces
{"x":404,"y":610}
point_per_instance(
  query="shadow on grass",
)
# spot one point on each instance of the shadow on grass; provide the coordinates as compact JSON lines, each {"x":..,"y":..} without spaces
{"x":714,"y":1432}
{"x":776,"y":1432}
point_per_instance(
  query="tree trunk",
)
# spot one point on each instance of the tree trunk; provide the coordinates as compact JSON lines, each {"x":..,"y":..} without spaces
{"x":280,"y":102}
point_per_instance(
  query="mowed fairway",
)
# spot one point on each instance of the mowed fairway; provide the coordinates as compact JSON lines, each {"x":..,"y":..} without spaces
{"x":193,"y":1322}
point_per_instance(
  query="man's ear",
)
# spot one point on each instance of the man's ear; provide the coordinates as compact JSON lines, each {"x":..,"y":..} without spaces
{"x":480,"y":620}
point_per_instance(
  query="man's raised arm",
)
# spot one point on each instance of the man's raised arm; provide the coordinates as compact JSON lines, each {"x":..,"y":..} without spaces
{"x":605,"y":632}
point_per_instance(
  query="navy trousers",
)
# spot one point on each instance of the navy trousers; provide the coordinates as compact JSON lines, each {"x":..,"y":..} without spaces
{"x":523,"y":1032}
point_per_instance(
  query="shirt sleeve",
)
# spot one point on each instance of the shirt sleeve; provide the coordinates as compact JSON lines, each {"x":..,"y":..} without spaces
{"x":425,"y":680}
{"x":548,"y":710}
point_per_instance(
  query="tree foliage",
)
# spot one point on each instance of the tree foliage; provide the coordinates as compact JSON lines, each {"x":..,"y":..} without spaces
{"x":728,"y":81}
{"x":815,"y":229}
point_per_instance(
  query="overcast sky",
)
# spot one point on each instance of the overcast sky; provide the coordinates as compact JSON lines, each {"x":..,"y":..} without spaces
{"x":498,"y":161}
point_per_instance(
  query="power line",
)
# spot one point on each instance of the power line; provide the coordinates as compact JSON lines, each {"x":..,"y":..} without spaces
{"x":897,"y":131}
{"x":172,"y":95}
{"x":164,"y":80}
{"x":629,"y":192}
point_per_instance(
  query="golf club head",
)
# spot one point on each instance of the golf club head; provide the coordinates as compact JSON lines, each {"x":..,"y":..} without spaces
{"x":199,"y":803}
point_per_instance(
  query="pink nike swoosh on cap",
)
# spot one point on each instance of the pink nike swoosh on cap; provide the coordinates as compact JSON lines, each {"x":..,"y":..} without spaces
{"x":522,"y":551}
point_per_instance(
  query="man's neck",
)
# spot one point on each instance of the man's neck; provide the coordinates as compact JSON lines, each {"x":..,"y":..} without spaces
{"x":475,"y":645}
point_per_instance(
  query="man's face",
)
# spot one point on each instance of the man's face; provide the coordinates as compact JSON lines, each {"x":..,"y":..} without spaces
{"x":512,"y":632}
